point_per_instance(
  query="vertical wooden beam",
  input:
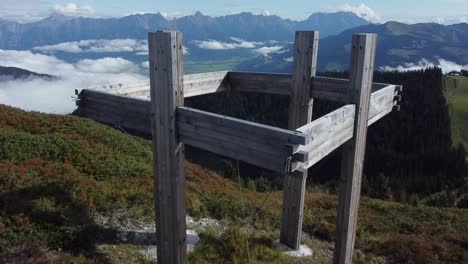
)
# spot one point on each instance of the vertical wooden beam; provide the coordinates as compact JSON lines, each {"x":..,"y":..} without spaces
{"x":300,"y":113}
{"x":166,"y":80}
{"x":361,"y":70}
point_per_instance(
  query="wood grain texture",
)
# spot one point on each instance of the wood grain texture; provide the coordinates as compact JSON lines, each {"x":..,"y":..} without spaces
{"x":361,"y":72}
{"x":300,"y":113}
{"x":267,"y":83}
{"x":329,"y":132}
{"x":166,"y":78}
{"x":229,"y":124}
{"x":257,"y":144}
{"x":194,"y":85}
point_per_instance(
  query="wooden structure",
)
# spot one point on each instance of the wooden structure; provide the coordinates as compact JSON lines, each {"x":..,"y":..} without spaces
{"x":290,"y":152}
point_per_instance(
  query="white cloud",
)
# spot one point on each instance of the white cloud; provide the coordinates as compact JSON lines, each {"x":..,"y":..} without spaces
{"x":265,"y":51}
{"x":289,"y":59}
{"x":267,"y":12}
{"x":176,"y":14}
{"x":70,"y":47}
{"x":445,"y":65}
{"x":55,"y":96}
{"x":106,"y":65}
{"x":72,"y":9}
{"x":219,"y":45}
{"x":361,"y":10}
{"x":139,"y":47}
{"x":97,"y":45}
{"x":449,"y":20}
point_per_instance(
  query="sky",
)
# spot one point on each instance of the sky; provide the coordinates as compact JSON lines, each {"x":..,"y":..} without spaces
{"x":410,"y":11}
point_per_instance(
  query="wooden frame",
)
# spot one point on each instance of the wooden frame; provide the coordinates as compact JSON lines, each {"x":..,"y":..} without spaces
{"x":290,"y":152}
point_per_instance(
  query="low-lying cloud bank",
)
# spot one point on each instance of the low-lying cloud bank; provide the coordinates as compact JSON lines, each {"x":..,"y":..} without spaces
{"x":97,"y":45}
{"x":258,"y":47}
{"x":56,"y":96}
{"x":445,"y":65}
{"x":220,"y":45}
{"x":138,"y":46}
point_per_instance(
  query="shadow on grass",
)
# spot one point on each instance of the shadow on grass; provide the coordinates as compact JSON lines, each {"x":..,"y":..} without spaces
{"x":64,"y":223}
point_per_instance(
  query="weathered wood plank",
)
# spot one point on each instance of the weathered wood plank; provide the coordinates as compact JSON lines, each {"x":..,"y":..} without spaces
{"x":261,"y":145}
{"x":257,"y":144}
{"x":332,"y":89}
{"x":233,"y":151}
{"x":240,"y":142}
{"x":241,"y":127}
{"x":194,"y":85}
{"x":361,"y":72}
{"x":119,"y":111}
{"x":268,"y":83}
{"x":205,"y":83}
{"x":123,"y":120}
{"x":167,"y":93}
{"x":325,"y":88}
{"x":300,"y":113}
{"x":332,"y":130}
{"x":115,"y":100}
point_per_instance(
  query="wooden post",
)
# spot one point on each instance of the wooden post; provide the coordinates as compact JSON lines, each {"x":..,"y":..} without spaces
{"x":300,"y":113}
{"x":166,"y":80}
{"x":361,"y":74}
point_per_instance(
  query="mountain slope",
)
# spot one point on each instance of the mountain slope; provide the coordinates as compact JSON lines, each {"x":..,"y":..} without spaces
{"x":58,"y":28}
{"x":398,"y":44}
{"x":59,"y":173}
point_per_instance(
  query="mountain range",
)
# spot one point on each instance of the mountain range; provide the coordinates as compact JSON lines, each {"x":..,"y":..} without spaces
{"x":398,"y":44}
{"x":58,"y":28}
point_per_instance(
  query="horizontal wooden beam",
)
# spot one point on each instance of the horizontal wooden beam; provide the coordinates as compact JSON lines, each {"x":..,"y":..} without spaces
{"x":205,"y":83}
{"x":194,"y":85}
{"x":332,"y":89}
{"x":251,"y":129}
{"x":268,"y":83}
{"x":325,"y":134}
{"x":254,"y":143}
{"x":326,"y":88}
{"x":264,"y":146}
{"x":120,"y":111}
{"x":332,"y":130}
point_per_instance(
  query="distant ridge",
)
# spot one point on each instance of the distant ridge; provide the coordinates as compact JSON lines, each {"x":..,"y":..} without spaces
{"x":59,"y":28}
{"x":397,"y":44}
{"x":18,"y":73}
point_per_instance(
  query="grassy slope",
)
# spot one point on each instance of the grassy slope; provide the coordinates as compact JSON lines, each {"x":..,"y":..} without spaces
{"x":57,"y":171}
{"x":457,"y":98}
